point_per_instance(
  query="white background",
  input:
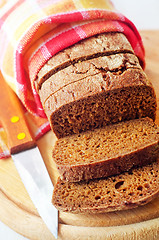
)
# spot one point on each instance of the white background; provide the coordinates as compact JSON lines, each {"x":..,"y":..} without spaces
{"x":145,"y":15}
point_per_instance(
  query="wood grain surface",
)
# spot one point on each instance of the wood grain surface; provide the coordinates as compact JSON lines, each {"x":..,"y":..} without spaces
{"x":18,"y":212}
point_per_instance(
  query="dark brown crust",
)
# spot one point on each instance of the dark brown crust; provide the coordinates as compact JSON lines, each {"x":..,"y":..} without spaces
{"x":105,"y":98}
{"x":109,"y":43}
{"x":121,"y":192}
{"x":116,"y":63}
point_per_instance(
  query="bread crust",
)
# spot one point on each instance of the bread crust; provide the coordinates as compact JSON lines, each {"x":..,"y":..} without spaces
{"x":116,"y":63}
{"x":106,"y":43}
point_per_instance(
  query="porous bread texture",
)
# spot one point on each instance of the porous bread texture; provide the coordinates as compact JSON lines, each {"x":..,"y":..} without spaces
{"x":125,"y":191}
{"x":107,"y":151}
{"x":99,"y":100}
{"x":116,"y":63}
{"x":106,"y":43}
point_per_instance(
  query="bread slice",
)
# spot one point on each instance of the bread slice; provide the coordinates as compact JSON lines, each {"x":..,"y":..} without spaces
{"x":101,"y":99}
{"x":125,"y":191}
{"x":102,"y":44}
{"x":116,"y":63}
{"x":107,"y":151}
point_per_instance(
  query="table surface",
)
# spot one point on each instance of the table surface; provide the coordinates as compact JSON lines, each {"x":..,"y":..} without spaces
{"x":144,"y":14}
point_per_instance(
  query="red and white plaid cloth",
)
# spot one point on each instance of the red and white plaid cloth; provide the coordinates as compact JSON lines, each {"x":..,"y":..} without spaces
{"x":32,"y":31}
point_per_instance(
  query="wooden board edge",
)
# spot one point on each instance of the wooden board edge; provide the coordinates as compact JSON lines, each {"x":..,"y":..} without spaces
{"x":24,"y":226}
{"x":145,"y":230}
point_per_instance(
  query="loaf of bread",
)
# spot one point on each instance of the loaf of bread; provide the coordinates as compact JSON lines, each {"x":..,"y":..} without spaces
{"x":125,"y":191}
{"x":83,"y":89}
{"x":107,"y":151}
{"x":94,"y":83}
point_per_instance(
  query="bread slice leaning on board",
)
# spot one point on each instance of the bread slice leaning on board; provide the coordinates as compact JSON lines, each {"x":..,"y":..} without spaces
{"x":125,"y":191}
{"x":107,"y":151}
{"x":102,"y":107}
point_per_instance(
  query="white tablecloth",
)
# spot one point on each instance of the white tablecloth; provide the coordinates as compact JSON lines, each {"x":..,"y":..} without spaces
{"x":144,"y":14}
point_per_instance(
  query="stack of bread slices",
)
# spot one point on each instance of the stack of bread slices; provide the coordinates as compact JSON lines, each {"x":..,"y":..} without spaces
{"x":102,"y":108}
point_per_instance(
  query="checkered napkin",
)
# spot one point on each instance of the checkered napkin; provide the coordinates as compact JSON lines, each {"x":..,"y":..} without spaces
{"x":32,"y":31}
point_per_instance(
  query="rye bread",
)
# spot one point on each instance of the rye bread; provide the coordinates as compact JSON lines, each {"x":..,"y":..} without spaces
{"x":125,"y":191}
{"x":99,"y":100}
{"x":98,"y":45}
{"x":107,"y":151}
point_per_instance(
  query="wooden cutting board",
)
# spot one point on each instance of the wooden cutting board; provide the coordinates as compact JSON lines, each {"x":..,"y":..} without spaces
{"x":18,"y":212}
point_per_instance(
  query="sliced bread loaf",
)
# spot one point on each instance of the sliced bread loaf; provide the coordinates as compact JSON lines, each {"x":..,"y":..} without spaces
{"x":102,"y":44}
{"x":107,"y":151}
{"x":121,"y":192}
{"x":116,"y":63}
{"x":101,"y":99}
